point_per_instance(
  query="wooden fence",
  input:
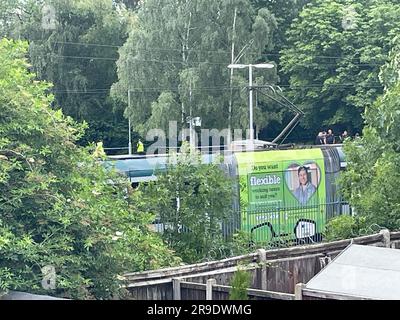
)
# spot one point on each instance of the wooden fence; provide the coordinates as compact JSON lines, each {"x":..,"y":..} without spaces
{"x":274,"y":272}
{"x":184,"y":290}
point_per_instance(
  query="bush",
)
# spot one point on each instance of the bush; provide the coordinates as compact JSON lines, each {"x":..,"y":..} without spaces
{"x":345,"y":227}
{"x":58,"y":206}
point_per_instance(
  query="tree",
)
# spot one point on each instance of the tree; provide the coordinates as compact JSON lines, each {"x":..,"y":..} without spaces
{"x":285,"y":11}
{"x":370,"y":182}
{"x":185,"y":200}
{"x":59,"y":206}
{"x":335,"y":51}
{"x":176,"y":59}
{"x":76,"y":50}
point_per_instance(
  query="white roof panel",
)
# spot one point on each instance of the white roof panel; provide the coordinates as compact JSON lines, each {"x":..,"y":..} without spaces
{"x":362,"y":271}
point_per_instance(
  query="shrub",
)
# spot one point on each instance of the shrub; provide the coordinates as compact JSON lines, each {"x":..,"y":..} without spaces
{"x":240,"y":283}
{"x":58,"y":206}
{"x":345,"y":227}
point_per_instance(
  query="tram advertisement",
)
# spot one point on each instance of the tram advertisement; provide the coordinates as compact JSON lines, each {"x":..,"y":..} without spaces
{"x":282,"y":194}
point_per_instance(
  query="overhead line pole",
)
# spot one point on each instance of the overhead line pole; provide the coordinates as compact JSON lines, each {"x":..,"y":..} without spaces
{"x":129,"y":124}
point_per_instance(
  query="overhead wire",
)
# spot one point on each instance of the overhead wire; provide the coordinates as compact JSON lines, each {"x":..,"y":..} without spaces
{"x":288,"y":86}
{"x":202,"y":50}
{"x":218,"y":88}
{"x":151,"y":49}
{"x":191,"y":63}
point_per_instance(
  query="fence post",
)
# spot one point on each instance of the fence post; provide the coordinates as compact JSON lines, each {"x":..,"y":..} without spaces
{"x":262,"y":259}
{"x":176,"y":289}
{"x":209,"y":288}
{"x":386,"y":237}
{"x":298,"y":291}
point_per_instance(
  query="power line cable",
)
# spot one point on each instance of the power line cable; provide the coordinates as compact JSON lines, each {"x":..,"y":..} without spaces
{"x":191,"y":63}
{"x":86,"y":44}
{"x":220,"y":88}
{"x":84,"y":57}
{"x":202,"y":50}
{"x":155,"y":89}
{"x":147,"y":48}
{"x":331,"y":85}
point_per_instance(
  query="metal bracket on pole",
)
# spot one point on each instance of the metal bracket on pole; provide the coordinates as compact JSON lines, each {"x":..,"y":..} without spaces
{"x":287,"y":104}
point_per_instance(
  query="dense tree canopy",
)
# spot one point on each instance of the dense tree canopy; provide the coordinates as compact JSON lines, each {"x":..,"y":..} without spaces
{"x":74,"y":45}
{"x":285,"y":11}
{"x":334,"y":53}
{"x":175,"y":62}
{"x":371,"y":181}
{"x":58,"y":206}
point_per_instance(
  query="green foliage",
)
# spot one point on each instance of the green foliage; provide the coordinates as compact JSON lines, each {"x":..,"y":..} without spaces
{"x":345,"y":227}
{"x":241,"y":244}
{"x":371,"y":179}
{"x":334,"y":54}
{"x":240,"y":283}
{"x":58,"y":205}
{"x":176,"y":59}
{"x":78,"y":56}
{"x":185,"y":199}
{"x":285,"y":11}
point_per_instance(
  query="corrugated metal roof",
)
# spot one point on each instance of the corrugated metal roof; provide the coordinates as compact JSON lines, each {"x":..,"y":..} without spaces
{"x":361,"y":271}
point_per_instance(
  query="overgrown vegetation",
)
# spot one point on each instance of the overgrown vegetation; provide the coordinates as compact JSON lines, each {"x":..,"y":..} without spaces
{"x":346,"y":227}
{"x":58,"y":206}
{"x":240,"y":283}
{"x":371,"y":179}
{"x":333,"y":55}
{"x":191,"y":199}
{"x":75,"y":50}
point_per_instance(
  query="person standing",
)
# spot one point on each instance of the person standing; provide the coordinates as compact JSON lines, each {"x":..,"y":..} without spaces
{"x":330,"y":138}
{"x":140,"y":147}
{"x":99,"y":151}
{"x":320,"y":139}
{"x":344,"y":136}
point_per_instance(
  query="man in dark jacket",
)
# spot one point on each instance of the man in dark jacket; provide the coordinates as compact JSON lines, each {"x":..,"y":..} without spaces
{"x":330,"y":138}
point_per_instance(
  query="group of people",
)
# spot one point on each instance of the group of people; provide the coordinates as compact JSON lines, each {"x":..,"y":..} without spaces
{"x":324,"y":137}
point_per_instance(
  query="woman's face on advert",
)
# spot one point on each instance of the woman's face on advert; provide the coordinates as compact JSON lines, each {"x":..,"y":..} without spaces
{"x":303,"y":177}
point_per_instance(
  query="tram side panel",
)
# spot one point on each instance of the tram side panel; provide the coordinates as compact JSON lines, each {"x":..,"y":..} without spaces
{"x":282,"y":195}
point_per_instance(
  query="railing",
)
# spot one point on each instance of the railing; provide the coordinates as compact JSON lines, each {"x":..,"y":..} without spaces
{"x":289,"y":225}
{"x":274,"y":227}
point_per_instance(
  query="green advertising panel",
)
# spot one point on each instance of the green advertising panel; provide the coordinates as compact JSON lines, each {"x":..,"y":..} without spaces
{"x":282,"y":193}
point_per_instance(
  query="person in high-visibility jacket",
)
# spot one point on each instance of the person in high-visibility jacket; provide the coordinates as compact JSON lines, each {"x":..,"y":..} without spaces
{"x":99,"y":151}
{"x":140,"y":147}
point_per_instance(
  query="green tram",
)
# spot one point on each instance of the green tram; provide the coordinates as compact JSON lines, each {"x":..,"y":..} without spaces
{"x":280,"y":195}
